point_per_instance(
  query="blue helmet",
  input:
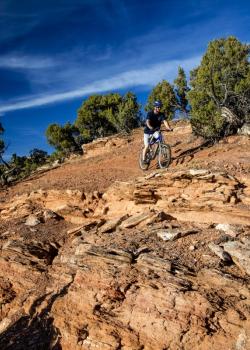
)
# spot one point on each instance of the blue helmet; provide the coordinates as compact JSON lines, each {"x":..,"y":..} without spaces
{"x":157,"y":103}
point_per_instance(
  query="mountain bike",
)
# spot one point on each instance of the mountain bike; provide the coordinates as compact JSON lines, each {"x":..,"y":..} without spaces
{"x":157,"y":147}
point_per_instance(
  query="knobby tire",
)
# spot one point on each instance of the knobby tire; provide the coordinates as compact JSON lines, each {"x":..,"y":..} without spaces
{"x":164,"y":156}
{"x":144,"y":166}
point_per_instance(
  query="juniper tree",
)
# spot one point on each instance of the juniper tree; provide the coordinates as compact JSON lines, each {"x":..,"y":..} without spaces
{"x":2,"y":147}
{"x":181,"y":89}
{"x":221,"y":80}
{"x":62,"y":138}
{"x":103,"y":115}
{"x":163,"y":91}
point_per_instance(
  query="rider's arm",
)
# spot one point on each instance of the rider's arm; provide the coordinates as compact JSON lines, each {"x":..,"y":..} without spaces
{"x":148,"y":124}
{"x":166,"y":123}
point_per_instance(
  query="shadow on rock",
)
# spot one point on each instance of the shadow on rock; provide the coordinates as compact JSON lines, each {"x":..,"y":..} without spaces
{"x":35,"y":334}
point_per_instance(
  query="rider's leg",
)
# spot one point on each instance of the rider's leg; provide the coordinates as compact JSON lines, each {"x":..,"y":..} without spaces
{"x":146,"y":145}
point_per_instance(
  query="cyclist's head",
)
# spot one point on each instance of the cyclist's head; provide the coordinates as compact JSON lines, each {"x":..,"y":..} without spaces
{"x":157,"y":104}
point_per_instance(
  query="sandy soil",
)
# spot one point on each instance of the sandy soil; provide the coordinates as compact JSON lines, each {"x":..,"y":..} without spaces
{"x":121,"y":163}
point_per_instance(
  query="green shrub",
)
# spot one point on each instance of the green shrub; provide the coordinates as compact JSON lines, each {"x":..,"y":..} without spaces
{"x":221,"y":80}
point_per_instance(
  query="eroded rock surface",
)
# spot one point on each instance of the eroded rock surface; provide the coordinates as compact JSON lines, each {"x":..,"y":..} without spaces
{"x":158,"y":262}
{"x":189,"y":195}
{"x":125,"y":288}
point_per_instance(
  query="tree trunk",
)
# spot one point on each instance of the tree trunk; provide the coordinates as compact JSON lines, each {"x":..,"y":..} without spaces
{"x":232,"y":121}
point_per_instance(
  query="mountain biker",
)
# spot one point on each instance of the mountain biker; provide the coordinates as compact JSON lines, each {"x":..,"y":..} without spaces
{"x":154,"y":120}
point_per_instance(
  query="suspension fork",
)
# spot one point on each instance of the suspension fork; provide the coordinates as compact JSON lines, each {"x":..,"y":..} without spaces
{"x":155,"y":151}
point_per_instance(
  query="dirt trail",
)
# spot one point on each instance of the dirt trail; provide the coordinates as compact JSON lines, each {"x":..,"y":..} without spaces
{"x":120,"y":163}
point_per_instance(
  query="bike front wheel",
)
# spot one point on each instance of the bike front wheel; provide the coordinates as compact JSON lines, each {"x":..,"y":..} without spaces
{"x":164,"y":156}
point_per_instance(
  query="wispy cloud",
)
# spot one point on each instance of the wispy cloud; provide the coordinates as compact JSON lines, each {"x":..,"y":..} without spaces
{"x":26,"y":62}
{"x":134,"y":78}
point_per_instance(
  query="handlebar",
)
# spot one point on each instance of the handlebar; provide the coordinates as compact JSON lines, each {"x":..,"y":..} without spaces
{"x":171,"y":129}
{"x":160,"y":130}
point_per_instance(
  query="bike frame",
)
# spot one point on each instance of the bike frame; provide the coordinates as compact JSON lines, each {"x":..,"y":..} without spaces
{"x":153,"y":141}
{"x":159,"y":139}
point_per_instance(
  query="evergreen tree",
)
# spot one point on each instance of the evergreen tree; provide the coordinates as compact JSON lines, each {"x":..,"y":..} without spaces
{"x":164,"y":92}
{"x":2,"y":147}
{"x":129,"y":113}
{"x":23,"y":166}
{"x":181,"y":89}
{"x":221,"y":80}
{"x":17,"y":161}
{"x":62,"y":138}
{"x":38,"y":156}
{"x":109,"y":111}
{"x":103,"y":115}
{"x":94,"y":119}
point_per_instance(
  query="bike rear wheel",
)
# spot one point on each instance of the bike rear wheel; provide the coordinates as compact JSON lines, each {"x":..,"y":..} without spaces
{"x":144,"y":165}
{"x":164,"y":156}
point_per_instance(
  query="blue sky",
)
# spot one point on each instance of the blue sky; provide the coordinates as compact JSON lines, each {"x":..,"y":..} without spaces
{"x":55,"y":53}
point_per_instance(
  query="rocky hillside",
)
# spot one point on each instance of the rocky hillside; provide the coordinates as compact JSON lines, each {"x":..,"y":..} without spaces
{"x":97,"y":254}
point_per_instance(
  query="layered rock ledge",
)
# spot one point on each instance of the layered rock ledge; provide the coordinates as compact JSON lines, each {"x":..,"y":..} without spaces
{"x":161,"y":262}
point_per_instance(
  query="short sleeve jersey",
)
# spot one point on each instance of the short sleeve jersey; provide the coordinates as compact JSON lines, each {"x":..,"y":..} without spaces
{"x":155,"y":121}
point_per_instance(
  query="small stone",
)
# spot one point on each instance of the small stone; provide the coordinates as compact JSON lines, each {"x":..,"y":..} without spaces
{"x":169,"y":235}
{"x":32,"y":220}
{"x":135,"y":220}
{"x":240,"y":253}
{"x":228,"y":229}
{"x":159,"y":217}
{"x":49,"y":214}
{"x":192,"y":248}
{"x":217,"y":250}
{"x":222,"y":227}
